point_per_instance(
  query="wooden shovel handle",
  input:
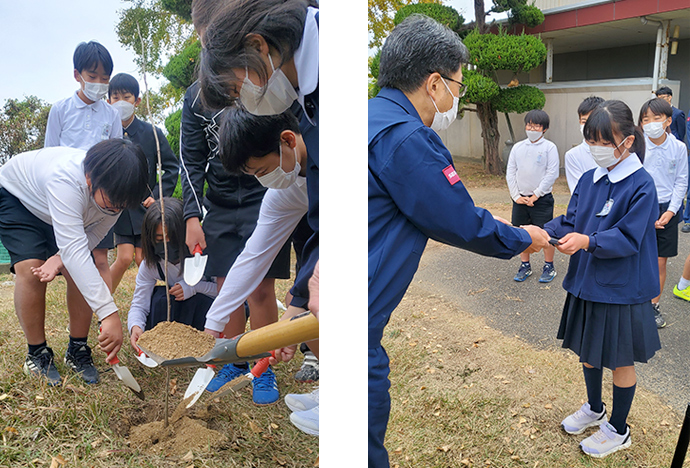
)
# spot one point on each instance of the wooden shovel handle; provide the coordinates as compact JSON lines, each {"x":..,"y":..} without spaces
{"x":278,"y":335}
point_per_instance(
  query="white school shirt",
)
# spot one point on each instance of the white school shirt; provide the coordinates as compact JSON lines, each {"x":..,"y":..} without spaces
{"x":532,"y":168}
{"x":74,"y":123}
{"x":668,"y":166}
{"x":578,"y":160}
{"x":147,"y":276}
{"x":51,"y":184}
{"x":281,"y":211}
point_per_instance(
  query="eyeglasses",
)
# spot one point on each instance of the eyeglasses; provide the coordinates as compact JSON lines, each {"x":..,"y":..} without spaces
{"x":463,"y":86}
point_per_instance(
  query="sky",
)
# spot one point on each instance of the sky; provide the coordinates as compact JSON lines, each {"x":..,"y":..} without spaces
{"x":39,"y":38}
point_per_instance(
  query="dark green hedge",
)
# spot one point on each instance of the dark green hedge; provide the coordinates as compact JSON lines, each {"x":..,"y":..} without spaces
{"x":520,"y":99}
{"x":503,"y":51}
{"x":443,"y":14}
{"x":479,"y":87}
{"x":172,"y":124}
{"x":529,"y":15}
{"x":181,"y":69}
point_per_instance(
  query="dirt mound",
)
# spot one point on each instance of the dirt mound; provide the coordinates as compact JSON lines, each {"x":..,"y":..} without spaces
{"x":173,"y":340}
{"x":178,"y":438}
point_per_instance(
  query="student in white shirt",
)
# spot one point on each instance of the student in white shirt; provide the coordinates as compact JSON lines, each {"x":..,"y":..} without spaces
{"x":149,"y":304}
{"x":65,"y":199}
{"x":578,"y":160}
{"x":532,"y":170}
{"x":666,"y":160}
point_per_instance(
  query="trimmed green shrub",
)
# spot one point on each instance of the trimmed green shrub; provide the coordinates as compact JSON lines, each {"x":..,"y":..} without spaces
{"x":505,"y":52}
{"x":520,"y":99}
{"x":172,"y":124}
{"x":181,"y":69}
{"x":445,"y":15}
{"x":479,"y":87}
{"x":529,"y":15}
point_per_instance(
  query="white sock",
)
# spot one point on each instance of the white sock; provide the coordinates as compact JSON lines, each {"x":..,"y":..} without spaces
{"x":683,"y":283}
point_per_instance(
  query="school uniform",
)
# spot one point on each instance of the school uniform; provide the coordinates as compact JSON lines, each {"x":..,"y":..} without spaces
{"x":608,"y":319}
{"x":678,"y":124}
{"x":414,"y":194}
{"x":281,"y":212}
{"x":128,"y":226}
{"x":50,"y":185}
{"x":578,"y":160}
{"x":667,"y":163}
{"x":232,"y":201}
{"x":532,"y":170}
{"x":149,"y":304}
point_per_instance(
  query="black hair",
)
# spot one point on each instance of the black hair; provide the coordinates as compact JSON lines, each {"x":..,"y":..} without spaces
{"x":588,"y":105}
{"x":658,"y":106}
{"x":174,"y":225}
{"x":119,"y":168}
{"x":244,"y":136}
{"x":614,"y":118}
{"x":538,"y":117}
{"x":88,"y":55}
{"x":416,"y":48}
{"x":664,"y":90}
{"x":203,"y":12}
{"x":226,"y":46}
{"x":123,"y":83}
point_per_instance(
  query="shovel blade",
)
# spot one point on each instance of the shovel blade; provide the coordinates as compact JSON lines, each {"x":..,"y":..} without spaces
{"x":194,"y":268}
{"x":145,"y":360}
{"x":199,"y":382}
{"x":128,"y":379}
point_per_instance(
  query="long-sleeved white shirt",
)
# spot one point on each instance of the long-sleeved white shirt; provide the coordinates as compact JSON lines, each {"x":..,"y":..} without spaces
{"x":51,"y":184}
{"x":668,"y":166}
{"x":74,"y":123}
{"x":578,"y":160}
{"x":532,"y":168}
{"x":146,"y":280}
{"x":281,"y":211}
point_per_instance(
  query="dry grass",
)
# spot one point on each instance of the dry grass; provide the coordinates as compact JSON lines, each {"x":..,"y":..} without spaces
{"x":88,"y":426}
{"x":463,"y":394}
{"x":472,"y":174}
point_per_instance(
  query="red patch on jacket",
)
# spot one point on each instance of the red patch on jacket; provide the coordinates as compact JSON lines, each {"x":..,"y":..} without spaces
{"x":451,"y":175}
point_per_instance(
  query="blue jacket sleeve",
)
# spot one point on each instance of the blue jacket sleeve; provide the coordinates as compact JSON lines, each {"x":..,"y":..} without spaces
{"x":445,"y":212}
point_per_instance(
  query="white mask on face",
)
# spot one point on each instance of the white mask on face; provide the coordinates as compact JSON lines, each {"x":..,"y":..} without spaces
{"x":653,"y":129}
{"x":604,"y":155}
{"x":277,"y":97}
{"x":124,"y":108}
{"x":533,"y":135}
{"x":278,"y":178}
{"x":442,"y":120}
{"x":94,"y":91}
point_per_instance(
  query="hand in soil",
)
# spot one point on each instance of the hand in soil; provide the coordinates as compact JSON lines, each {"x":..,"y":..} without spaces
{"x":49,"y":270}
{"x":135,"y":333}
{"x":110,"y":338}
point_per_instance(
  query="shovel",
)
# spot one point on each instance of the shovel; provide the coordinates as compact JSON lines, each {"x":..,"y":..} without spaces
{"x":194,"y":267}
{"x":127,"y":378}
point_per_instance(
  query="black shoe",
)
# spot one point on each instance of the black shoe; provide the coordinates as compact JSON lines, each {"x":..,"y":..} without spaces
{"x":80,"y":361}
{"x":660,"y":322}
{"x":685,"y":228}
{"x":41,"y":364}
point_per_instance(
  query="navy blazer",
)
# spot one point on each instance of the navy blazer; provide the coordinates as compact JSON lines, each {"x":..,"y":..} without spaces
{"x":414,"y":195}
{"x":678,"y":124}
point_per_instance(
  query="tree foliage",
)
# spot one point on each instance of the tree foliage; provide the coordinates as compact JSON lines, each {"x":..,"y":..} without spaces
{"x":519,"y":99}
{"x":529,"y":15}
{"x":380,"y":17}
{"x":479,"y":87}
{"x":172,"y":125}
{"x":180,"y":70}
{"x":504,"y":51}
{"x":22,"y":126}
{"x":182,"y":8}
{"x":448,"y":16}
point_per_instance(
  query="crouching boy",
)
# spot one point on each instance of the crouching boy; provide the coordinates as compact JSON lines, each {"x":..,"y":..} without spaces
{"x":65,"y":200}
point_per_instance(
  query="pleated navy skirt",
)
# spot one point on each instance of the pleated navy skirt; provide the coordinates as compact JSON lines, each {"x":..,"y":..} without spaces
{"x":609,"y":335}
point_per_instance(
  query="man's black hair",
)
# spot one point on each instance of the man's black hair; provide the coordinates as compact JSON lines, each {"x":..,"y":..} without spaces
{"x":88,"y":55}
{"x":586,"y":106}
{"x":664,"y":90}
{"x":537,"y":117}
{"x":119,"y":168}
{"x":244,"y":135}
{"x":123,"y":83}
{"x":658,"y":106}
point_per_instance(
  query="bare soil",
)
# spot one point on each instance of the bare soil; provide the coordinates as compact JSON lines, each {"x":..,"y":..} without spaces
{"x":172,"y":340}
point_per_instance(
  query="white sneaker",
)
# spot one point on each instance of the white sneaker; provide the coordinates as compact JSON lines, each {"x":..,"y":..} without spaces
{"x":583,"y":418}
{"x":605,"y":441}
{"x":307,"y":421}
{"x":302,"y":402}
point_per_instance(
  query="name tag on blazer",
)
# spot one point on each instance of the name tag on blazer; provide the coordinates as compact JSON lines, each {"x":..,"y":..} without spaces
{"x":607,"y":208}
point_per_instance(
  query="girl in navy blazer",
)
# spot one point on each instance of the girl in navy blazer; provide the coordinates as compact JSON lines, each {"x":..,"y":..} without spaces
{"x":613,"y":274}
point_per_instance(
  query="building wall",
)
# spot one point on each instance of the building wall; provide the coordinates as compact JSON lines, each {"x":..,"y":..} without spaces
{"x":548,"y":4}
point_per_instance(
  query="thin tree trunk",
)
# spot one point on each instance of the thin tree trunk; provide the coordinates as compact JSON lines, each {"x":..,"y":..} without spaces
{"x":490,"y":136}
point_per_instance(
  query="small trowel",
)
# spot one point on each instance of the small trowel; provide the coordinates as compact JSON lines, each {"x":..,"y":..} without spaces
{"x":145,"y":360}
{"x":200,"y":381}
{"x":194,"y":266}
{"x":127,"y":378}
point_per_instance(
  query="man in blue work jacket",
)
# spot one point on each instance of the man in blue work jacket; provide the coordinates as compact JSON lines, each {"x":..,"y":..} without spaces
{"x":414,"y":192}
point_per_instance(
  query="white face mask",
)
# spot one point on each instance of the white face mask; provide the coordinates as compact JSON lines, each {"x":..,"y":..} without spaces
{"x":653,"y":129}
{"x":94,"y":91}
{"x":442,"y":120}
{"x":124,"y":108}
{"x":277,"y":97}
{"x":604,"y":155}
{"x":278,"y":178}
{"x":533,"y":135}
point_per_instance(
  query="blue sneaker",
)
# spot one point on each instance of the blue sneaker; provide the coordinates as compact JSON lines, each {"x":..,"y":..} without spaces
{"x":523,"y":273}
{"x":548,"y":274}
{"x":265,"y":388}
{"x":227,"y":373}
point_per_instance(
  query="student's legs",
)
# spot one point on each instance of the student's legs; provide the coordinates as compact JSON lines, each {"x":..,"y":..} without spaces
{"x":549,"y":252}
{"x":80,"y":312}
{"x":138,"y":255}
{"x":30,"y":301}
{"x":662,"y":277}
{"x":262,"y":304}
{"x":524,"y":257}
{"x":314,"y":347}
{"x":100,"y":258}
{"x":624,"y":383}
{"x":238,"y":322}
{"x":593,"y":377}
{"x":125,"y":252}
{"x":686,"y":271}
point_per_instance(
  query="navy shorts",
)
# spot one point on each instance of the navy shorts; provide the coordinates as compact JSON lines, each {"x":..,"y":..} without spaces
{"x":24,"y":235}
{"x":667,"y":239}
{"x":538,"y":215}
{"x":108,"y":242}
{"x":134,"y":240}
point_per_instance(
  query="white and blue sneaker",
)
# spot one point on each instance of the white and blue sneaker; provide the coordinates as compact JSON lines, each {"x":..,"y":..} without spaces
{"x":606,"y":441}
{"x":583,"y":418}
{"x":265,"y":388}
